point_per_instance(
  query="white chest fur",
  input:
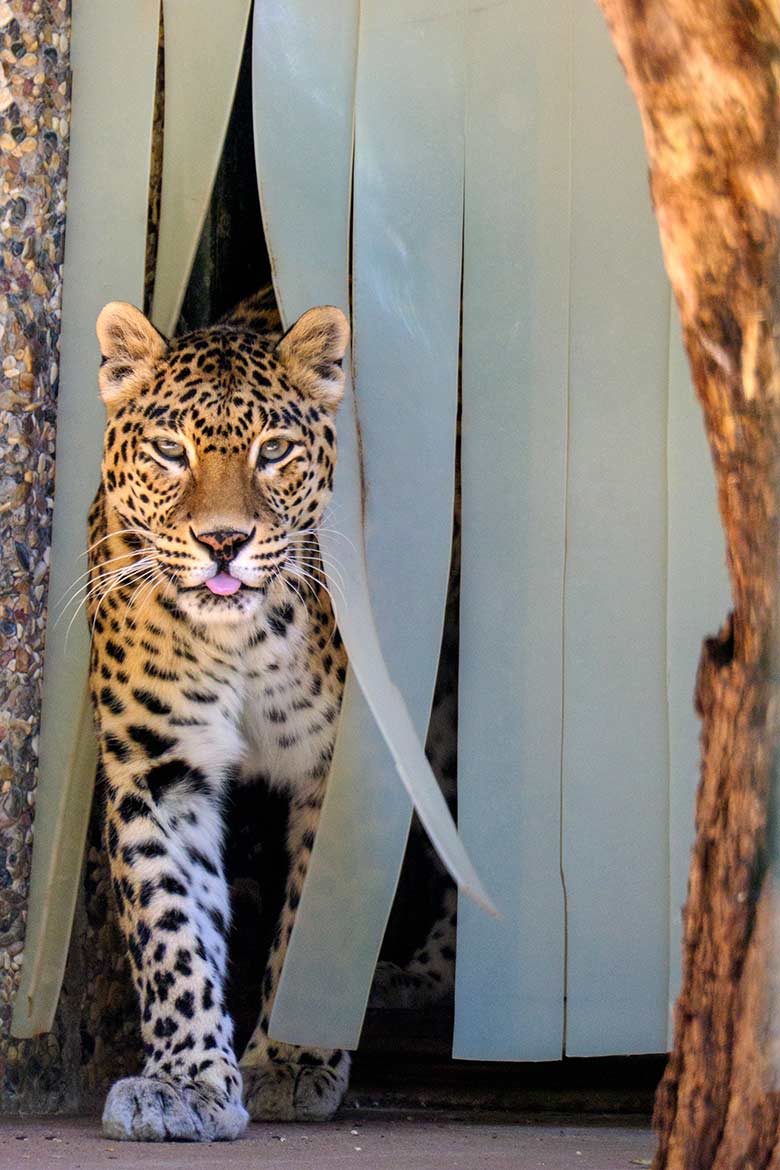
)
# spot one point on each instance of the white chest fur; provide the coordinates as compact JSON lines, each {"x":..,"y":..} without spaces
{"x":276,"y":705}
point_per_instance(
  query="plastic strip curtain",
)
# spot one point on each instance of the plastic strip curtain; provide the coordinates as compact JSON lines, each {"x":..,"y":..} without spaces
{"x":203,"y":47}
{"x":108,"y":184}
{"x":615,"y":752}
{"x":104,"y":260}
{"x":564,"y":756}
{"x":588,"y":508}
{"x":509,"y":986}
{"x":408,"y":224}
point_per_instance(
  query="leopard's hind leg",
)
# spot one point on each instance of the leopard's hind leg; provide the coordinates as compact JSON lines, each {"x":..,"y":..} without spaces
{"x":283,"y":1082}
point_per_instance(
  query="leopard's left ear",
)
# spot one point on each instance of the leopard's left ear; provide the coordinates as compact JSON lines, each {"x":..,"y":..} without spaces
{"x":312,"y":351}
{"x":130,"y":346}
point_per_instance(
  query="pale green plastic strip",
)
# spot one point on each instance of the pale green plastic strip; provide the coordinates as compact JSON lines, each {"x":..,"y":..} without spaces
{"x":203,"y":46}
{"x":699,"y":598}
{"x":615,"y":777}
{"x":104,"y":260}
{"x":303,"y":124}
{"x":509,"y":987}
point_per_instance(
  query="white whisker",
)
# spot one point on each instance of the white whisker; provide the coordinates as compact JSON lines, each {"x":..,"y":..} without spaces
{"x":108,"y":583}
{"x":153,"y":575}
{"x":99,"y":579}
{"x":320,"y":562}
{"x":306,"y":576}
{"x":320,"y":528}
{"x":147,"y":596}
{"x":114,"y":582}
{"x":117,"y":532}
{"x":322,"y":572}
{"x":312,"y":548}
{"x":101,"y":565}
{"x":295,"y":590}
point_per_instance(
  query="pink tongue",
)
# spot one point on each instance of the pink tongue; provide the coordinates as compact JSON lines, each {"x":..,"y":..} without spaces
{"x":223,"y":584}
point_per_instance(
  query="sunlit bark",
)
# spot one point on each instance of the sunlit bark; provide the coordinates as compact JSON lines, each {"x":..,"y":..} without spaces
{"x":705,"y":74}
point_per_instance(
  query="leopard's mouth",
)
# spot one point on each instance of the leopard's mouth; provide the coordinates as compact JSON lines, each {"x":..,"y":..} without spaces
{"x":223,"y":583}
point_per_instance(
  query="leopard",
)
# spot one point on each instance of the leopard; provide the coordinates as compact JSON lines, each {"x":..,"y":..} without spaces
{"x":216,"y":665}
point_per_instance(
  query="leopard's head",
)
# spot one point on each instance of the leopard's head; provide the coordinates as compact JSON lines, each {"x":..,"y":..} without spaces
{"x":220,"y":449}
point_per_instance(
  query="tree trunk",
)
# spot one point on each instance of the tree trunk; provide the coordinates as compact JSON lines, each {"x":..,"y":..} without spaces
{"x":705,"y":74}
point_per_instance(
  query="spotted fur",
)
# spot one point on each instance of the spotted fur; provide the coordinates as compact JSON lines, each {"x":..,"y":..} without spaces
{"x":218,"y":462}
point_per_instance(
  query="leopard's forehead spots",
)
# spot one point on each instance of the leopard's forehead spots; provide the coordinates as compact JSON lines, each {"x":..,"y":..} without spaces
{"x":223,"y":386}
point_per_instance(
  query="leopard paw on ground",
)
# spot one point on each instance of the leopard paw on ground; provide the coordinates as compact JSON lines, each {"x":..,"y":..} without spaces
{"x":295,"y":1092}
{"x":146,"y":1109}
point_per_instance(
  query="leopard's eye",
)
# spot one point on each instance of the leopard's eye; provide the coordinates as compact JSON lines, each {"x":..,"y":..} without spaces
{"x":170,"y":450}
{"x":272,"y":450}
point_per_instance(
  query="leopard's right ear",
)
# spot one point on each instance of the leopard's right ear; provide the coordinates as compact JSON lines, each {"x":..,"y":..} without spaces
{"x":130,"y":346}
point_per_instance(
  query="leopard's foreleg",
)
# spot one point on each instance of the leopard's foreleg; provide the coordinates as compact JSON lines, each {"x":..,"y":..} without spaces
{"x":164,"y":838}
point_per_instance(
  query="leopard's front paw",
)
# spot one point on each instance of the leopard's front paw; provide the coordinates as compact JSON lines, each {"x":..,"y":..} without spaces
{"x":311,"y":1090}
{"x":147,"y":1109}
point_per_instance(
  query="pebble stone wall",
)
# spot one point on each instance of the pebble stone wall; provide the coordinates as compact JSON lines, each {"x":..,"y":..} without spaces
{"x":34,"y":113}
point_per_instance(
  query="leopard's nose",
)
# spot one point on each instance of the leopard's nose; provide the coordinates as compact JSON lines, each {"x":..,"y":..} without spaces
{"x":224,"y":543}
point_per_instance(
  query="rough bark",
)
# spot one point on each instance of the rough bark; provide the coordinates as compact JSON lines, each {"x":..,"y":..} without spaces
{"x":705,"y":74}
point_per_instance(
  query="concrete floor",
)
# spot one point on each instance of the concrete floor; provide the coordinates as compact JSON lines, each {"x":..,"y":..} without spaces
{"x":405,"y":1143}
